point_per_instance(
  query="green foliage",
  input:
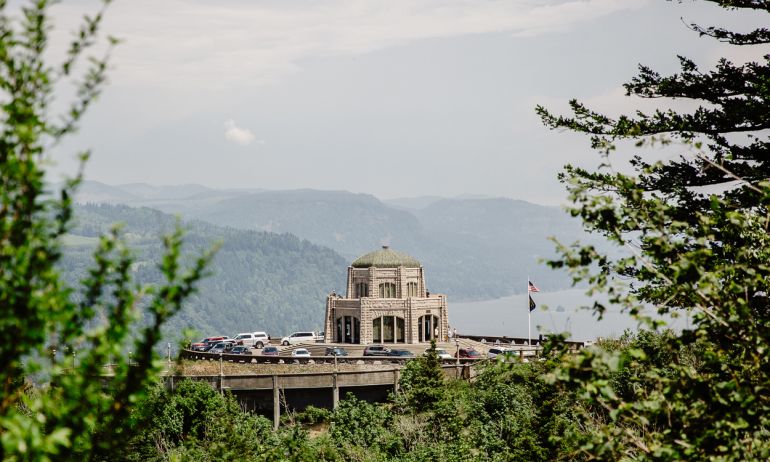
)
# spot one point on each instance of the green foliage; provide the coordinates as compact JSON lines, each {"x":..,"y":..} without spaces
{"x":196,"y":422}
{"x":507,"y":413}
{"x":313,"y":415}
{"x":422,"y":380}
{"x":358,"y":423}
{"x":72,"y":414}
{"x":702,"y":393}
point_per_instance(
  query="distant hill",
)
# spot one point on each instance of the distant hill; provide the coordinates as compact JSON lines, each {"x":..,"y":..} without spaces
{"x":260,"y":281}
{"x":472,"y":247}
{"x":412,"y":203}
{"x":500,"y":239}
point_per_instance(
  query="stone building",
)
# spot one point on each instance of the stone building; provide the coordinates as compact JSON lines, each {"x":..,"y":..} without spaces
{"x":386,"y":302}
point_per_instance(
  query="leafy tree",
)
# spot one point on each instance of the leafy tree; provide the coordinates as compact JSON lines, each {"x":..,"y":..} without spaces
{"x":358,"y":423}
{"x":74,"y":416}
{"x":422,"y":380}
{"x":728,"y":126}
{"x":195,"y":420}
{"x":703,"y":252}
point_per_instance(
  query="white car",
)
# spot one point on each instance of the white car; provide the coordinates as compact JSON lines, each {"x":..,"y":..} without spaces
{"x":442,"y":353}
{"x":501,"y":352}
{"x":299,"y":337}
{"x":300,"y":353}
{"x":252,"y":339}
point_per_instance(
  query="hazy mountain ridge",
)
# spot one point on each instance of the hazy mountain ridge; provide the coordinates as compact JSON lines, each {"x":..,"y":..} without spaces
{"x":260,"y":281}
{"x":472,"y":248}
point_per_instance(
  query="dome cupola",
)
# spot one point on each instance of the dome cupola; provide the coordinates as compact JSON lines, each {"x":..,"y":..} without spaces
{"x":385,"y":258}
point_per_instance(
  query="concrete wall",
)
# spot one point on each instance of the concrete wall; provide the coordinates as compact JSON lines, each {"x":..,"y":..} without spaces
{"x":270,"y":395}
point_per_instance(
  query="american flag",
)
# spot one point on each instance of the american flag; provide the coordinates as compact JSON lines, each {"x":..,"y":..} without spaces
{"x":532,"y":287}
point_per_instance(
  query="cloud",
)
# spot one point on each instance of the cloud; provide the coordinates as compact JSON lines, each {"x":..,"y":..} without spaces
{"x":193,"y":44}
{"x":237,"y":134}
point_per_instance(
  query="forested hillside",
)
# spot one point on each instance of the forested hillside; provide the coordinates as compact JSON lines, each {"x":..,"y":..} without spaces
{"x":471,"y":248}
{"x":259,"y":280}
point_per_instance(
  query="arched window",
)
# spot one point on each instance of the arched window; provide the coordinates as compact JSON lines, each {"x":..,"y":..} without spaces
{"x":428,"y":328}
{"x":348,"y":330}
{"x":377,"y":330}
{"x":411,"y":289}
{"x":388,"y":290}
{"x":362,"y":290}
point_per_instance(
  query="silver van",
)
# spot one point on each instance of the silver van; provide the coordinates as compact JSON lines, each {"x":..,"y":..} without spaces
{"x":299,"y":337}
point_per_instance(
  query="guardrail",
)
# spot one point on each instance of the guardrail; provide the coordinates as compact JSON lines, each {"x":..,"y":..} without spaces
{"x":259,"y":359}
{"x":515,"y":341}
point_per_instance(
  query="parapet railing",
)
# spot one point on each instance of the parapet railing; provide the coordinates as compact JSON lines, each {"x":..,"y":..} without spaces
{"x":517,"y":341}
{"x":260,"y":359}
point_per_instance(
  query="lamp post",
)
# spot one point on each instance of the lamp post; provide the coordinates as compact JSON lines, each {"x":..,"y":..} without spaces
{"x":457,"y":346}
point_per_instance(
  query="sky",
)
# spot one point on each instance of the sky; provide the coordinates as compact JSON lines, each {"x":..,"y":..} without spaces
{"x":386,"y":97}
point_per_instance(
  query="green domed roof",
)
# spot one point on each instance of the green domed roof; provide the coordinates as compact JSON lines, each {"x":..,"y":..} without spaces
{"x":385,"y":258}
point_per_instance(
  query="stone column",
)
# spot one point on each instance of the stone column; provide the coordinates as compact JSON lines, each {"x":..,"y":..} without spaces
{"x":374,"y":291}
{"x":366,"y":322}
{"x":276,"y":403}
{"x":350,"y":292}
{"x":335,"y":391}
{"x":444,"y":330}
{"x":330,"y":324}
{"x":396,"y":376}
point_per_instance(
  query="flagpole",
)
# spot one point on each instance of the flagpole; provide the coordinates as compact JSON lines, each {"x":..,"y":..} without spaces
{"x":529,"y":316}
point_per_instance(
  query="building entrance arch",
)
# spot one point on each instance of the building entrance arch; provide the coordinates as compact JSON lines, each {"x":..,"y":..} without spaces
{"x":348,"y":330}
{"x":428,"y":328}
{"x":388,"y":329}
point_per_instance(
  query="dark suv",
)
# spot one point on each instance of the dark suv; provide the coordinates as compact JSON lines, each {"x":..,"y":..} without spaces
{"x":336,"y":351}
{"x":468,"y":353}
{"x":376,"y":350}
{"x":401,"y":353}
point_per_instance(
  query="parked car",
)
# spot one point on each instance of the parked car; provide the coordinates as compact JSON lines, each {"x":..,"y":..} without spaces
{"x":495,"y":352}
{"x":300,"y":353}
{"x":240,"y":350}
{"x":442,"y":353}
{"x":401,"y":353}
{"x":261,"y":339}
{"x":299,"y":337}
{"x":198,"y":346}
{"x":207,"y":343}
{"x":270,"y":351}
{"x":468,"y":353}
{"x":252,"y":339}
{"x":376,"y":350}
{"x":336,"y":351}
{"x":222,"y":347}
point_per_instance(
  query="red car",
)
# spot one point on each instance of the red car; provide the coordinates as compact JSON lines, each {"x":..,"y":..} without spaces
{"x":206,"y":343}
{"x":270,"y":351}
{"x":468,"y":353}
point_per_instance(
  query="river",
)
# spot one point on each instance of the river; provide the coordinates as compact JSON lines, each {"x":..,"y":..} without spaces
{"x":556,"y":312}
